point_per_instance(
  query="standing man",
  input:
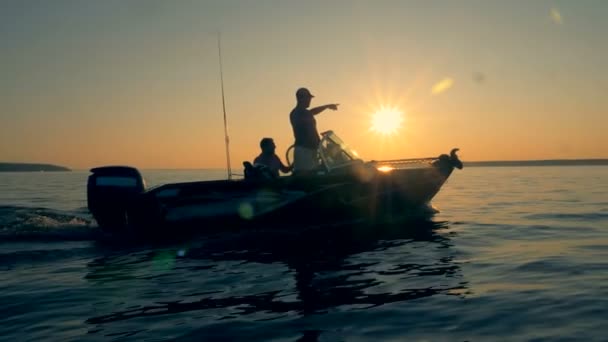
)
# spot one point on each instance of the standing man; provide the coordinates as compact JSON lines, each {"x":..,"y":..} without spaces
{"x":305,"y":131}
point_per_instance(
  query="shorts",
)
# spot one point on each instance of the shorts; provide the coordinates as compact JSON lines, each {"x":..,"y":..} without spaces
{"x":304,"y":159}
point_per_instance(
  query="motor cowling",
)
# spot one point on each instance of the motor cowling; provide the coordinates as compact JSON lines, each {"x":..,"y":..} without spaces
{"x":446,"y":163}
{"x":111,"y":190}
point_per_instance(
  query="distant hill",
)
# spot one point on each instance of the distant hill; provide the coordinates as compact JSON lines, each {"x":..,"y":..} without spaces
{"x":549,"y":162}
{"x":25,"y":167}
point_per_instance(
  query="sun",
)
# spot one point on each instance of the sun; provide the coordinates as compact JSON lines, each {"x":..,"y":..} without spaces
{"x":387,"y":121}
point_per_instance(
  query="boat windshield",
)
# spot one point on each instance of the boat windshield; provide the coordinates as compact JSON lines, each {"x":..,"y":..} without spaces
{"x":334,"y":152}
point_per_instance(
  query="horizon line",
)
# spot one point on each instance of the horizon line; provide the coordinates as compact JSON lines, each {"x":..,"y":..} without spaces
{"x":601,"y":161}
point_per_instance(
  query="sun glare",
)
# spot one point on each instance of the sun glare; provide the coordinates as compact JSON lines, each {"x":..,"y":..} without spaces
{"x":385,"y":168}
{"x":387,"y":121}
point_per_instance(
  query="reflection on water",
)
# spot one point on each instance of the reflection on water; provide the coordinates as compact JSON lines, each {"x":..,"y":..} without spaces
{"x":522,"y":258}
{"x":267,"y":275}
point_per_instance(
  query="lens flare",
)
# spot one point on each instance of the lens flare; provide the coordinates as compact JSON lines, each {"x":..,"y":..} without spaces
{"x":556,"y":16}
{"x":442,"y":86}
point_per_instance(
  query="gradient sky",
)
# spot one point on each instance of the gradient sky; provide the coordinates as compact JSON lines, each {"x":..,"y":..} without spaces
{"x":88,"y":83}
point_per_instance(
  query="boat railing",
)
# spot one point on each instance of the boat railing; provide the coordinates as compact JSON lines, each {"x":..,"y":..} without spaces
{"x":403,"y":163}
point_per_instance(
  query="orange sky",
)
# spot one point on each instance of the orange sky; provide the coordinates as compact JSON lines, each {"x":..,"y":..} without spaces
{"x":112,"y":82}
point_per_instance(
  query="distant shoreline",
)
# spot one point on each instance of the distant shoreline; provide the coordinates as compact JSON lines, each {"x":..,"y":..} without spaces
{"x":548,"y":162}
{"x":29,"y":167}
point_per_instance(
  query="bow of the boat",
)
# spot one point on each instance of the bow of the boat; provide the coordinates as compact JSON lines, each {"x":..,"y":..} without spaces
{"x":417,"y":181}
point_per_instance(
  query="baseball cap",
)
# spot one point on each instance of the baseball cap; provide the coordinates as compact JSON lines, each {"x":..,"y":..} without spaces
{"x":303,"y":93}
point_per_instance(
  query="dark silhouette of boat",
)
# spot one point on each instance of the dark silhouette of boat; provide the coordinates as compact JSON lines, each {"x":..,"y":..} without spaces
{"x":344,"y":188}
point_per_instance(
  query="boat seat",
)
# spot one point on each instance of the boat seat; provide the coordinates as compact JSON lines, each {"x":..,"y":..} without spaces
{"x":257,"y":172}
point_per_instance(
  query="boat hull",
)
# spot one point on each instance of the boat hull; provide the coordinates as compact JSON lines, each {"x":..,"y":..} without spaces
{"x":374,"y":192}
{"x":286,"y":202}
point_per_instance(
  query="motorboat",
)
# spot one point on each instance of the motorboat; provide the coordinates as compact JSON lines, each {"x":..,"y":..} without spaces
{"x":343,"y":187}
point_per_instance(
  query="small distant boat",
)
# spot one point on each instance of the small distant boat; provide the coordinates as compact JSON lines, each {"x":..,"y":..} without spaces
{"x":343,"y":188}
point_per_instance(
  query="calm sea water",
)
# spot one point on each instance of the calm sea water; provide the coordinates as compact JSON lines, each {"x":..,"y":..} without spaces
{"x":516,"y":254}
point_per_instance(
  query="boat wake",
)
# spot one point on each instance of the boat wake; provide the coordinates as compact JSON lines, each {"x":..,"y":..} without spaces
{"x":43,"y":224}
{"x":25,"y":223}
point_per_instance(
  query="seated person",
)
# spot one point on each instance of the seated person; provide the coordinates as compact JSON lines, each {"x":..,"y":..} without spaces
{"x":269,"y":159}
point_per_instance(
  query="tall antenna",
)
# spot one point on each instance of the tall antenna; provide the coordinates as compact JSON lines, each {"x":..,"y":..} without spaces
{"x":226,"y":139}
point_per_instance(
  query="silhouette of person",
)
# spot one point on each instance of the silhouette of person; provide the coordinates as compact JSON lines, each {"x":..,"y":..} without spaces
{"x":305,"y":132}
{"x":269,"y":159}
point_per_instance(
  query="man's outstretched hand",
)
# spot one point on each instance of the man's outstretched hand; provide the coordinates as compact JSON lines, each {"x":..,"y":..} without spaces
{"x":317,"y":110}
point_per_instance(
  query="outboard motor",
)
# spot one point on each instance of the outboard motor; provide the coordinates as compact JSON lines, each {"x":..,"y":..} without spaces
{"x":455,"y":160}
{"x":446,"y":163}
{"x":110,"y":192}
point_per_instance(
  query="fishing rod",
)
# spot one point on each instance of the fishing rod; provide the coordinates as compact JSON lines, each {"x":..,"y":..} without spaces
{"x":226,"y":139}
